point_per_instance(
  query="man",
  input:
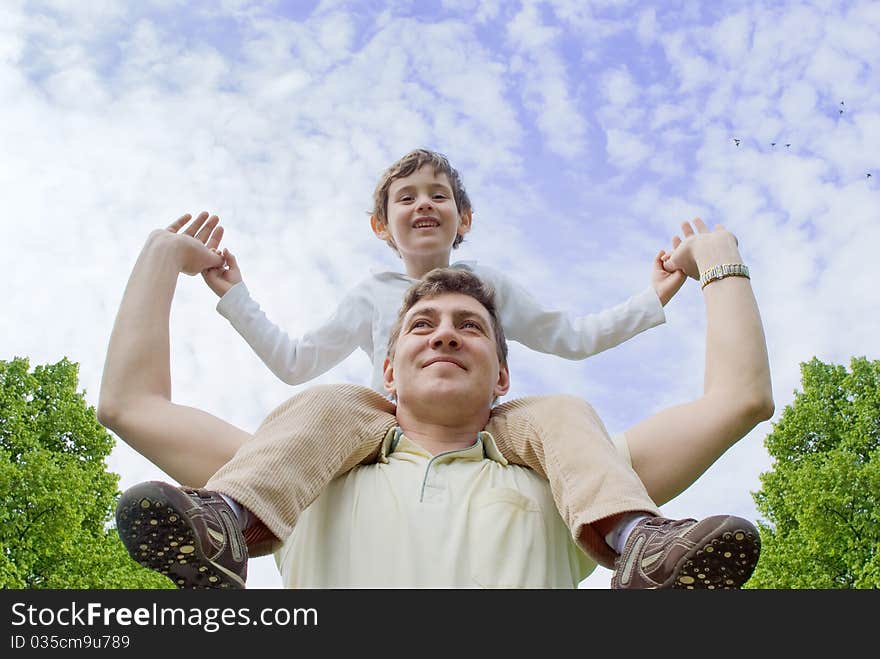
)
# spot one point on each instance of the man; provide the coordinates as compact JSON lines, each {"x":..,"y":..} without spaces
{"x":445,"y":369}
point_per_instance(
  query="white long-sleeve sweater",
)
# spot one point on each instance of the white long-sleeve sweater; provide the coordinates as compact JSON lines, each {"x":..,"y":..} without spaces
{"x":365,"y":315}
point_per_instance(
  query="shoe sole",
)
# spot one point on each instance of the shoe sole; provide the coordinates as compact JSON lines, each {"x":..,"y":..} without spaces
{"x":723,"y":562}
{"x":159,"y":537}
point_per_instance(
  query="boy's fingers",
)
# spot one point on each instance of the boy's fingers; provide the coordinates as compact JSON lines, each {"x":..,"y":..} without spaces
{"x":687,"y":229}
{"x":676,"y":241}
{"x":701,"y":226}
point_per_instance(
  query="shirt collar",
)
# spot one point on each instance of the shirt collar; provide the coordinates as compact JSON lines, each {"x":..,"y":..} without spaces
{"x":484,"y":447}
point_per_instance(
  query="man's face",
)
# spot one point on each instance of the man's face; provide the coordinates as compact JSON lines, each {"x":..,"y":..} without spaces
{"x":423,"y":219}
{"x":446,"y":355}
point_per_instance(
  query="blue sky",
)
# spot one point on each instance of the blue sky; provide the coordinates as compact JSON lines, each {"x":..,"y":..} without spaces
{"x":585,"y":133}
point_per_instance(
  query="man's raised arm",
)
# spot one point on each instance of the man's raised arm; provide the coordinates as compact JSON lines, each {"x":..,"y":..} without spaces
{"x":671,"y":449}
{"x":135,"y":399}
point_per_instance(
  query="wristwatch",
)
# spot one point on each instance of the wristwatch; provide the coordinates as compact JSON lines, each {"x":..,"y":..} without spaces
{"x":722,"y":271}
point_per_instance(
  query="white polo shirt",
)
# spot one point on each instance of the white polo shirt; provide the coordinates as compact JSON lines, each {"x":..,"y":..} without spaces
{"x":461,"y":519}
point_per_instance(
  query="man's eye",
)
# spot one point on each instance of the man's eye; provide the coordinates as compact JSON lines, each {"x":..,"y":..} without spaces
{"x":472,"y":325}
{"x":419,"y":323}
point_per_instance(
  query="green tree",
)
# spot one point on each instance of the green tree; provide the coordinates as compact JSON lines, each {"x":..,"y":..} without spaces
{"x":56,"y":495}
{"x":822,"y":498}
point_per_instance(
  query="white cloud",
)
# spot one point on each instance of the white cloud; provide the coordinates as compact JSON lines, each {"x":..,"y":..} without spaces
{"x":731,"y":38}
{"x":625,"y":150}
{"x":646,"y":27}
{"x":545,"y":82}
{"x":619,"y":89}
{"x":481,"y":11}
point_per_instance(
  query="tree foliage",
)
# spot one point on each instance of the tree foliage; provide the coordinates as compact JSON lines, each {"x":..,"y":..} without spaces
{"x":822,"y":498}
{"x":56,"y":496}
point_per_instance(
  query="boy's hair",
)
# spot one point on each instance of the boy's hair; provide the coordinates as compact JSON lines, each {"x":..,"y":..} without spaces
{"x":451,"y":280}
{"x":412,"y":162}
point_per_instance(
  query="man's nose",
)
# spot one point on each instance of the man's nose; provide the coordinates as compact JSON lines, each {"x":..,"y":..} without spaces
{"x":445,"y":336}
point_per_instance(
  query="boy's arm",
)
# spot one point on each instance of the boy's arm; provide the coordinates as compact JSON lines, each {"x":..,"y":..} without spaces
{"x":292,"y":360}
{"x":135,"y":397}
{"x":671,"y":449}
{"x":557,"y":332}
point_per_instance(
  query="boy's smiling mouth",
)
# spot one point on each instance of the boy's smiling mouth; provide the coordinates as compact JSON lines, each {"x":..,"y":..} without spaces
{"x":425,"y":222}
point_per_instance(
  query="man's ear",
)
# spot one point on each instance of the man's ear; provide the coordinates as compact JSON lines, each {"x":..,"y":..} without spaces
{"x":502,"y":386}
{"x":381,"y":230}
{"x":388,"y":377}
{"x":464,"y":223}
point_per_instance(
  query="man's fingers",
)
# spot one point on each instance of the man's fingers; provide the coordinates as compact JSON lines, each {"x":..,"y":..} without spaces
{"x":676,"y":241}
{"x":196,"y":224}
{"x":216,"y":237}
{"x":205,"y":232}
{"x":701,"y":226}
{"x":687,"y":229}
{"x":174,"y":227}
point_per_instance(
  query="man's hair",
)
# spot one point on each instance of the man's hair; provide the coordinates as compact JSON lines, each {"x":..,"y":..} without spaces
{"x":440,"y":281}
{"x":412,"y":162}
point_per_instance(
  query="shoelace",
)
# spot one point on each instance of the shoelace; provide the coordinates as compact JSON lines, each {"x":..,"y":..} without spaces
{"x":661,"y":522}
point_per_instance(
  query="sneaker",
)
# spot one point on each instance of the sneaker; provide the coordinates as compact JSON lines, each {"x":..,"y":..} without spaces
{"x":191,"y":536}
{"x":717,"y":553}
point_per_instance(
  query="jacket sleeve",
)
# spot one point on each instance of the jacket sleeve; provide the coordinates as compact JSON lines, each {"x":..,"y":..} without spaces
{"x":526,"y":321}
{"x":295,"y":361}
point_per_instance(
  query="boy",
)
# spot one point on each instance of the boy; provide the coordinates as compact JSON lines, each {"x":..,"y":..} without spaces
{"x":422,"y":210}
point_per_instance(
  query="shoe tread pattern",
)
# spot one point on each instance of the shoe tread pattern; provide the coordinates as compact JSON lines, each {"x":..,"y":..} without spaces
{"x":159,"y":538}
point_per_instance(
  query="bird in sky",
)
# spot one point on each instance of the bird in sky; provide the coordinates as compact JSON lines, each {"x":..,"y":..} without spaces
{"x":788,"y":145}
{"x":841,"y":107}
{"x":868,"y":175}
{"x":736,"y":141}
{"x":772,"y":143}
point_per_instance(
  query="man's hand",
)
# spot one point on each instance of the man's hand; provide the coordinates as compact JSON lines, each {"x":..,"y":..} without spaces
{"x":701,"y":249}
{"x":225,"y":277}
{"x":666,"y":284}
{"x":195,"y":249}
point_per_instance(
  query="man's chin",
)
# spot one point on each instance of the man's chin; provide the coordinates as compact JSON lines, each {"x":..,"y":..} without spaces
{"x":448,"y":391}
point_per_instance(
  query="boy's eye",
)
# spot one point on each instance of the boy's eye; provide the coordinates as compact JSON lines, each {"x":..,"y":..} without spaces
{"x":440,"y":196}
{"x":472,"y":325}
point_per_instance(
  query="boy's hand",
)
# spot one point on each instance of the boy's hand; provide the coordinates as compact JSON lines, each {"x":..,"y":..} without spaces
{"x":221,"y":279}
{"x":666,"y":284}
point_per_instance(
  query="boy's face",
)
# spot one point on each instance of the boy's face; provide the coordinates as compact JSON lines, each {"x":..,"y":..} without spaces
{"x":423,"y":219}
